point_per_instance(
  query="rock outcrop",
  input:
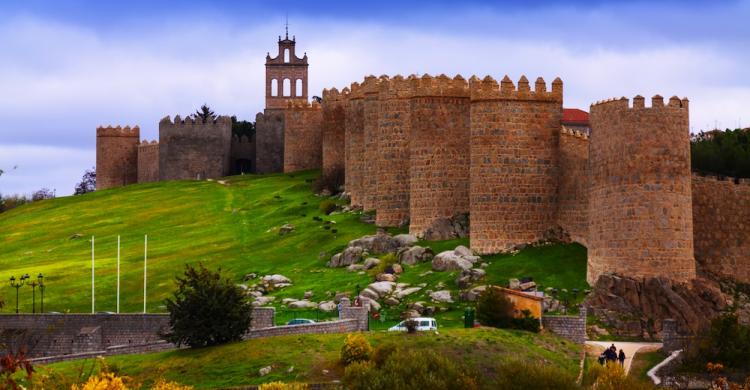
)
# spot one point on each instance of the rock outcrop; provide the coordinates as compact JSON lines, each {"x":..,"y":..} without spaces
{"x":637,"y":307}
{"x":448,"y":228}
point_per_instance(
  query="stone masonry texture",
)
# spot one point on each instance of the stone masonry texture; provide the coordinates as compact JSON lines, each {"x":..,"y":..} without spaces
{"x":514,"y":162}
{"x":392,"y":164}
{"x":333,"y":130}
{"x":269,"y":141}
{"x":573,"y":190}
{"x":721,"y":226}
{"x":116,"y":156}
{"x":438,"y":150}
{"x":192,"y":149}
{"x":302,"y":136}
{"x":640,"y":208}
{"x":148,"y":162}
{"x":354,"y":144}
{"x":370,"y":136}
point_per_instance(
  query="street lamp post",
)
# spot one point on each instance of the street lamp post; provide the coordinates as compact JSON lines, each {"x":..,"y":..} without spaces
{"x":40,"y":279}
{"x":17,"y":285}
{"x":33,"y":296}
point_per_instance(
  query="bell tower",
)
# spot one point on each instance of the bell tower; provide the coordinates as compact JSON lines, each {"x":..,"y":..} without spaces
{"x":286,"y":75}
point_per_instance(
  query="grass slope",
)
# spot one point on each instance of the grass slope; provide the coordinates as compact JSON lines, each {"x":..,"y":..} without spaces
{"x":238,"y":363}
{"x":233,"y":226}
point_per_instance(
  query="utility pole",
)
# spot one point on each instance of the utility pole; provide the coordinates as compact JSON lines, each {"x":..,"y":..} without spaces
{"x":93,"y":299}
{"x":118,"y":274}
{"x":145,"y":269}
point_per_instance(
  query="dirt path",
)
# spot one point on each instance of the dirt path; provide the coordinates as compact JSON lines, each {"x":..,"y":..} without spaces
{"x":630,"y":349}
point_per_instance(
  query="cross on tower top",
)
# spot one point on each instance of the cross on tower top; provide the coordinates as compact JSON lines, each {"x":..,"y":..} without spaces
{"x":286,"y":26}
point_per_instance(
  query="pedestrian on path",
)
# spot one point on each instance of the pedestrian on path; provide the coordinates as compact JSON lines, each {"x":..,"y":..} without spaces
{"x":621,"y":358}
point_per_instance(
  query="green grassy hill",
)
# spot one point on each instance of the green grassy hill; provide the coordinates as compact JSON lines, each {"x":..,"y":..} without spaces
{"x":315,"y":358}
{"x":231,"y":224}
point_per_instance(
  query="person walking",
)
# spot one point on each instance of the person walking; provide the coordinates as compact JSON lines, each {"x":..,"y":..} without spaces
{"x":621,"y":358}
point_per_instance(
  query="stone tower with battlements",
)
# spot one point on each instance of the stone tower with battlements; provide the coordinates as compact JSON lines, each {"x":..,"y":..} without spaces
{"x":116,"y":156}
{"x":640,"y":202}
{"x":286,"y":76}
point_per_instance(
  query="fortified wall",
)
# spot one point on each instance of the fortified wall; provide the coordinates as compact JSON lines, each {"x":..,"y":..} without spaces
{"x":243,"y":154}
{"x":640,"y":205}
{"x":269,"y":141}
{"x":194,"y":149}
{"x":333,"y":127}
{"x":116,"y":156}
{"x":148,"y":162}
{"x":302,"y":136}
{"x":573,"y":184}
{"x":354,"y":142}
{"x":721,"y":226}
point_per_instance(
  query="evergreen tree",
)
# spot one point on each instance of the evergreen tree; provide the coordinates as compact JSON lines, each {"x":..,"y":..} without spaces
{"x":205,"y":114}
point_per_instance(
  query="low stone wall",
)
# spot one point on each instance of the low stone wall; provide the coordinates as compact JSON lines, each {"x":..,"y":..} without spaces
{"x":263,"y":317}
{"x":570,"y":327}
{"x":340,"y":326}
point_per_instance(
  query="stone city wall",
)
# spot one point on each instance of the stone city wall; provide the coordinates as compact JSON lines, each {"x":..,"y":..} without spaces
{"x":640,"y":206}
{"x":721,"y":226}
{"x":438,"y":150}
{"x":148,"y":162}
{"x":269,"y":141}
{"x":192,"y":149}
{"x":392,"y":158}
{"x":333,"y":129}
{"x":116,"y":156}
{"x":370,"y":137}
{"x":302,"y":136}
{"x":573,"y":193}
{"x":514,"y":162}
{"x":354,"y":139}
{"x":242,"y":154}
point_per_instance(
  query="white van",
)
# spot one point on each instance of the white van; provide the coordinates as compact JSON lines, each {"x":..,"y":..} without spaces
{"x":423,"y":324}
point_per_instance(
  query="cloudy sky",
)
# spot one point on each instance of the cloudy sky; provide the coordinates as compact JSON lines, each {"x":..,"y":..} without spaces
{"x":69,"y":66}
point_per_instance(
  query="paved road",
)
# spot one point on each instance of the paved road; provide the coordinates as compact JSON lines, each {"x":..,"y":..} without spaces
{"x":630,"y":349}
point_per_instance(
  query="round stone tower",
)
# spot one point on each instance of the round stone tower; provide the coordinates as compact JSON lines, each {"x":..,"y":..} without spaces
{"x":640,"y":207}
{"x":116,"y":156}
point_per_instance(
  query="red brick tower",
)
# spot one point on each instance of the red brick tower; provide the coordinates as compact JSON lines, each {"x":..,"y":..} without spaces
{"x":286,"y":75}
{"x":116,"y":156}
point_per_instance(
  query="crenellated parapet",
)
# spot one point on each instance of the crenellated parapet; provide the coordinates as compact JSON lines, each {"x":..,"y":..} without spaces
{"x":302,"y":105}
{"x":397,"y":87}
{"x":440,"y":86}
{"x":356,"y":91}
{"x":191,"y":148}
{"x":190,"y":120}
{"x":489,"y":89}
{"x":333,"y":96}
{"x":118,"y":131}
{"x":570,"y":132}
{"x":639,"y":103}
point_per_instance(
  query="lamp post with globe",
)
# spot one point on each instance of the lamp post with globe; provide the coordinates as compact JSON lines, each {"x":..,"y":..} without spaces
{"x":17,"y":285}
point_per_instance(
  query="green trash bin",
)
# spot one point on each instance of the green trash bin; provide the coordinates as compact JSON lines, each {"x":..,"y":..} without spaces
{"x":469,"y":317}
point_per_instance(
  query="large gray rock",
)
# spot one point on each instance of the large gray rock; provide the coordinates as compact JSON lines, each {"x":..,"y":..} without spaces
{"x":381,"y":288}
{"x":378,"y":243}
{"x":262,"y":301}
{"x":449,"y":261}
{"x":370,"y":293}
{"x":327,"y":306}
{"x":385,"y":277}
{"x":355,"y":267}
{"x":350,"y":255}
{"x":469,"y":276}
{"x":276,"y":279}
{"x":400,"y":294}
{"x":405,"y":240}
{"x":371,"y":262}
{"x":415,"y":255}
{"x":302,"y":304}
{"x":443,"y":296}
{"x":447,"y":228}
{"x":463,"y":251}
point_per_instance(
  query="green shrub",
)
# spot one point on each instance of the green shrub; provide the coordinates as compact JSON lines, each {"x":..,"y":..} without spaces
{"x":726,"y":342}
{"x":524,"y":376}
{"x":327,"y":206}
{"x":405,"y":370}
{"x":494,"y":309}
{"x":356,"y":349}
{"x":283,"y":386}
{"x":527,"y":322}
{"x":332,"y":181}
{"x":612,"y":377}
{"x":386,"y":260}
{"x":207,"y":309}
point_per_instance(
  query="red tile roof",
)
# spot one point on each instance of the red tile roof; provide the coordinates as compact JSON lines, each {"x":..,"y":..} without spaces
{"x":574,"y":116}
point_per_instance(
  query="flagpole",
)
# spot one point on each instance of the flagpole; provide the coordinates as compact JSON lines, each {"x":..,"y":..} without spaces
{"x":118,"y":274}
{"x":93,"y":299}
{"x":145,"y":269}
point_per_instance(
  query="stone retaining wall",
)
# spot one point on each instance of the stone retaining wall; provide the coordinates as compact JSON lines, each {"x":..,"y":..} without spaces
{"x":570,"y":327}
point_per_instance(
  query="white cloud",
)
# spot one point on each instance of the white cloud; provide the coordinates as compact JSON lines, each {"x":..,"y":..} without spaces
{"x":60,"y":81}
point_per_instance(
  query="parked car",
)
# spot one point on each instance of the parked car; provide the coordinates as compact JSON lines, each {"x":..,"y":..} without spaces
{"x":423,"y":324}
{"x":300,"y":321}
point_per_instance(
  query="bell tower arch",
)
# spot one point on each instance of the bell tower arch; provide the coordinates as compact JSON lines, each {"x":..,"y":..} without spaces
{"x":286,"y":75}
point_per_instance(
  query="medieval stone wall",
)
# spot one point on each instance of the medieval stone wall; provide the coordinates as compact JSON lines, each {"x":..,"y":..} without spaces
{"x":392,"y":158}
{"x":333,"y":130}
{"x":370,"y":136}
{"x":242,"y":154}
{"x":192,"y":149}
{"x":302,"y":136}
{"x":721,"y":226}
{"x":148,"y":162}
{"x":354,"y":139}
{"x":640,"y":208}
{"x":116,"y":156}
{"x":514,"y":162}
{"x":573,"y":194}
{"x":438,"y":150}
{"x":269,"y":141}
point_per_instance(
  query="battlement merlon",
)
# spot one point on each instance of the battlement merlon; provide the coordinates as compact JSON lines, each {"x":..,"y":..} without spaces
{"x":397,"y":87}
{"x":334,"y":96}
{"x":371,"y":84}
{"x":712,"y":177}
{"x":356,"y":91}
{"x":190,"y":120}
{"x":639,"y":103}
{"x":442,"y":86}
{"x":145,"y":143}
{"x":489,"y":89}
{"x":302,"y":105}
{"x":574,"y":133}
{"x":110,"y":131}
